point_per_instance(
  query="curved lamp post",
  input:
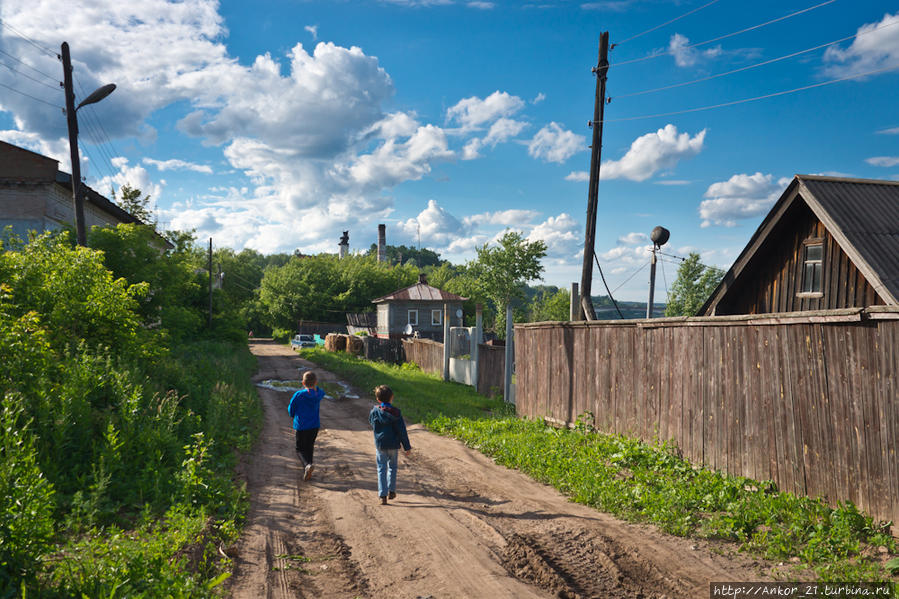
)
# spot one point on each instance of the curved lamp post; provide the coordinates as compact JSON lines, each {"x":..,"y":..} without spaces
{"x":72,"y":121}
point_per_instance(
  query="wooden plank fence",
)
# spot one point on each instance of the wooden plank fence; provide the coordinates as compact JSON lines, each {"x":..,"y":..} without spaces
{"x":428,"y":355}
{"x":808,"y":400}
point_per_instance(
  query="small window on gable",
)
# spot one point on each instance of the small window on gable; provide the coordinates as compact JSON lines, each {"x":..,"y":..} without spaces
{"x":813,"y":268}
{"x":413,"y":317}
{"x":436,"y":317}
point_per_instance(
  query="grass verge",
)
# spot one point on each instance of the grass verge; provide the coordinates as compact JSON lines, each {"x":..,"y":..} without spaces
{"x":639,"y":482}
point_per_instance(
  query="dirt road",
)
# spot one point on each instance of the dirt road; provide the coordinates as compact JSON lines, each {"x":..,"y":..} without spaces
{"x":461,"y":526}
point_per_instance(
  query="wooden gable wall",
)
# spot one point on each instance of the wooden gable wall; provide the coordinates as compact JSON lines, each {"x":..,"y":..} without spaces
{"x":772,"y":280}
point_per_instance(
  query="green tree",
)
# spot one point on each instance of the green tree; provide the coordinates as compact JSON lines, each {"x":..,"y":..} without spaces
{"x":503,"y":271}
{"x":694,"y":284}
{"x":130,"y":200}
{"x":549,"y":305}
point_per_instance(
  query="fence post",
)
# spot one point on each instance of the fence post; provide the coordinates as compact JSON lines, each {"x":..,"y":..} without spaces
{"x":507,"y":386}
{"x":475,"y":342}
{"x":573,"y":306}
{"x":446,"y":345}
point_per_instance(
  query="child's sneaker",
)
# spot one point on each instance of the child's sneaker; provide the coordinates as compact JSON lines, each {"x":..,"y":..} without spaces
{"x":307,"y":474}
{"x":391,"y":495}
{"x":383,"y":501}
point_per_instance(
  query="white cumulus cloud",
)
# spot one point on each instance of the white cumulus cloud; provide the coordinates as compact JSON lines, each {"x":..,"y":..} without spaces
{"x":473,"y":113}
{"x":652,"y":152}
{"x":175,"y":164}
{"x":686,"y":56}
{"x":555,"y":144}
{"x":876,"y":47}
{"x":741,"y":196}
{"x":883,"y":161}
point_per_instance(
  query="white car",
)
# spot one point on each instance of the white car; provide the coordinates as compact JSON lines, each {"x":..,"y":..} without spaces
{"x":301,"y":341}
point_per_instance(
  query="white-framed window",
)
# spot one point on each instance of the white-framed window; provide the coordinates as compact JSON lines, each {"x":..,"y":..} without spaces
{"x":413,"y":317}
{"x":436,"y":318}
{"x":813,"y":267}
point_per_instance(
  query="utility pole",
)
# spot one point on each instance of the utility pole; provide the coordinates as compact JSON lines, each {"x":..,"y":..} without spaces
{"x":602,"y":68}
{"x":652,"y":282}
{"x":209,"y":322}
{"x":72,"y":122}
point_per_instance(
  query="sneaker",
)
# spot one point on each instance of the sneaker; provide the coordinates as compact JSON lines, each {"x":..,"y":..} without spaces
{"x":383,"y":501}
{"x":391,"y":495}
{"x":307,"y":474}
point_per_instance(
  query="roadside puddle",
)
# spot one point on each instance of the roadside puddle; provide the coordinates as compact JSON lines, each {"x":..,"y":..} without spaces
{"x":335,"y":390}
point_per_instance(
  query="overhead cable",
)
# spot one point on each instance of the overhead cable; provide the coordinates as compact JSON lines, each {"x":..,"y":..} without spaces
{"x":19,"y":60}
{"x":27,"y":76}
{"x":9,"y":87}
{"x":727,"y":35}
{"x":635,"y":273}
{"x":603,"y":277}
{"x":650,"y":30}
{"x":745,"y":100}
{"x":28,"y":39}
{"x":756,"y":65}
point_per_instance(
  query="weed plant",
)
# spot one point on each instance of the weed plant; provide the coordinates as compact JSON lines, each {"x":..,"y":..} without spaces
{"x":639,"y":482}
{"x":118,"y":440}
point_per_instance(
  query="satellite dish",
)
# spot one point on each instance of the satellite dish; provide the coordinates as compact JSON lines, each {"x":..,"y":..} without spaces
{"x":408,"y":329}
{"x":459,"y":312}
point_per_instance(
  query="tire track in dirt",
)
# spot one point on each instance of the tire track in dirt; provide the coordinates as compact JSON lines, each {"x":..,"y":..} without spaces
{"x":461,"y":525}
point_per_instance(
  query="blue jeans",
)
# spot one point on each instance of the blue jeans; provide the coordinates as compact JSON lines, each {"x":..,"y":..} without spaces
{"x":387,"y":471}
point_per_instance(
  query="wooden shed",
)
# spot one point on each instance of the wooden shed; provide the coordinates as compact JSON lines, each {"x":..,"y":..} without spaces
{"x":828,"y":243}
{"x":420,"y":307}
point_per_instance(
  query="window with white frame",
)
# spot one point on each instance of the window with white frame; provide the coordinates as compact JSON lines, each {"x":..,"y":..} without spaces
{"x":812,"y":267}
{"x":413,"y":317}
{"x":436,"y":318}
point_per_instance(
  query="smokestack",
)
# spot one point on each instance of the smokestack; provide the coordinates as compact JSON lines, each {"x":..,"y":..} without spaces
{"x":382,"y":243}
{"x":344,"y":244}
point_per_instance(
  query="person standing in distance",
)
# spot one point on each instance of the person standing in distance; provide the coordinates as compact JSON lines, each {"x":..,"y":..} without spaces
{"x":390,"y":432}
{"x":303,"y":408}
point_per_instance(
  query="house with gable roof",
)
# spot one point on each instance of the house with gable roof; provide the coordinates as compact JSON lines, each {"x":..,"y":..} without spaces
{"x":417,"y":308}
{"x":828,"y":243}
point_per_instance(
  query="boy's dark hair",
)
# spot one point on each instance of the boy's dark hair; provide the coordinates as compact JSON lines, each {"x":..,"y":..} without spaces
{"x":383,"y":393}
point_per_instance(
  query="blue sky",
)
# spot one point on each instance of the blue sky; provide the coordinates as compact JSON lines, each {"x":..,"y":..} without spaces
{"x":276,"y":125}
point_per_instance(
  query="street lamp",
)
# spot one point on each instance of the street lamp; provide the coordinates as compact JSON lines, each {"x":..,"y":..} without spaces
{"x":72,"y":121}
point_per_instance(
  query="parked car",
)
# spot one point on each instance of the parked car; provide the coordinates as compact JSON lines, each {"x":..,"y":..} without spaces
{"x":301,"y":341}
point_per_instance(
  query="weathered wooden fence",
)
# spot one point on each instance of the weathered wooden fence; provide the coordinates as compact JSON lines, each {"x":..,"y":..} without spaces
{"x":808,"y":400}
{"x":491,"y":362}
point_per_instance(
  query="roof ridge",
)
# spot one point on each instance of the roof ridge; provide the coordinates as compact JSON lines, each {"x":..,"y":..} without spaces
{"x":827,"y":178}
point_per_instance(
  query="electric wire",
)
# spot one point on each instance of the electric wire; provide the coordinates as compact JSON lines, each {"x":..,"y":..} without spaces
{"x":635,"y":273}
{"x":650,"y":30}
{"x":98,"y":144}
{"x":27,"y":76}
{"x":19,"y":60}
{"x":753,"y":66}
{"x":96,"y":165}
{"x":10,"y":88}
{"x":727,"y":35}
{"x":28,"y":39}
{"x":665,"y":282}
{"x":763,"y":97}
{"x":603,"y":277}
{"x":99,"y":122}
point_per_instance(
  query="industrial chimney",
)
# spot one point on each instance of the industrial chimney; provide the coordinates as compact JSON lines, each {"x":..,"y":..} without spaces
{"x":344,"y":244}
{"x":382,"y":243}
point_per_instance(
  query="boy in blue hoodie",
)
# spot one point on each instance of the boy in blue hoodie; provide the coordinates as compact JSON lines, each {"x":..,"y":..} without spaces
{"x":303,"y":408}
{"x":390,"y":432}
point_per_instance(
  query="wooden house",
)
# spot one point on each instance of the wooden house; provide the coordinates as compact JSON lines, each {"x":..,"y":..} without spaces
{"x":828,"y":243}
{"x":417,"y":308}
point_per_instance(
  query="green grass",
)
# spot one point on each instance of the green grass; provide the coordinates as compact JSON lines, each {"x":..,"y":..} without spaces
{"x":639,"y":482}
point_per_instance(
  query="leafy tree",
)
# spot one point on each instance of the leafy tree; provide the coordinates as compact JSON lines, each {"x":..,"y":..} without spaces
{"x":549,"y":305}
{"x":694,"y":284}
{"x":401,"y":254}
{"x":130,"y":200}
{"x":503,"y":271}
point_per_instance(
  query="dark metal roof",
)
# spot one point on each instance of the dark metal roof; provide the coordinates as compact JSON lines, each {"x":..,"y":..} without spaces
{"x":65,"y":179}
{"x":862,"y":215}
{"x":420,"y":292}
{"x":866,"y":214}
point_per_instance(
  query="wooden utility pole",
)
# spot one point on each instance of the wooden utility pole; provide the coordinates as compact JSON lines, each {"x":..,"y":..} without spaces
{"x":72,"y":122}
{"x":586,"y":304}
{"x":209,"y":322}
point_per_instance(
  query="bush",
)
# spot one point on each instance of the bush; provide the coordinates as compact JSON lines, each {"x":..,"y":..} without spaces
{"x":281,"y":335}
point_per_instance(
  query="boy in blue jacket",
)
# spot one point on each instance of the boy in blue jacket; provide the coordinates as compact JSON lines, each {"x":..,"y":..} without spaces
{"x":390,"y":432}
{"x":303,"y":408}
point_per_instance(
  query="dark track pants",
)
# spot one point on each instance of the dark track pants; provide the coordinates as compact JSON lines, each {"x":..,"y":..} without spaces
{"x":306,"y":444}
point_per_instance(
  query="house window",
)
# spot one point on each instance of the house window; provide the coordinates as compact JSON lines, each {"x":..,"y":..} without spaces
{"x":436,"y":316}
{"x":413,"y":317}
{"x":813,"y":268}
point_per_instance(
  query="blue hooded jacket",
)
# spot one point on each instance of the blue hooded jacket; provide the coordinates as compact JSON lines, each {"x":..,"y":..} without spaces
{"x":389,"y":427}
{"x":304,"y":408}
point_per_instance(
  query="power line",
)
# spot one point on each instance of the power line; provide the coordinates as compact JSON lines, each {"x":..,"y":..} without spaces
{"x":98,"y":121}
{"x":753,"y":66}
{"x":745,"y":100}
{"x":10,"y":88}
{"x":727,"y":35}
{"x":603,"y":277}
{"x":27,"y":76}
{"x":635,"y":273}
{"x":650,"y":30}
{"x":28,"y":39}
{"x":19,"y":60}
